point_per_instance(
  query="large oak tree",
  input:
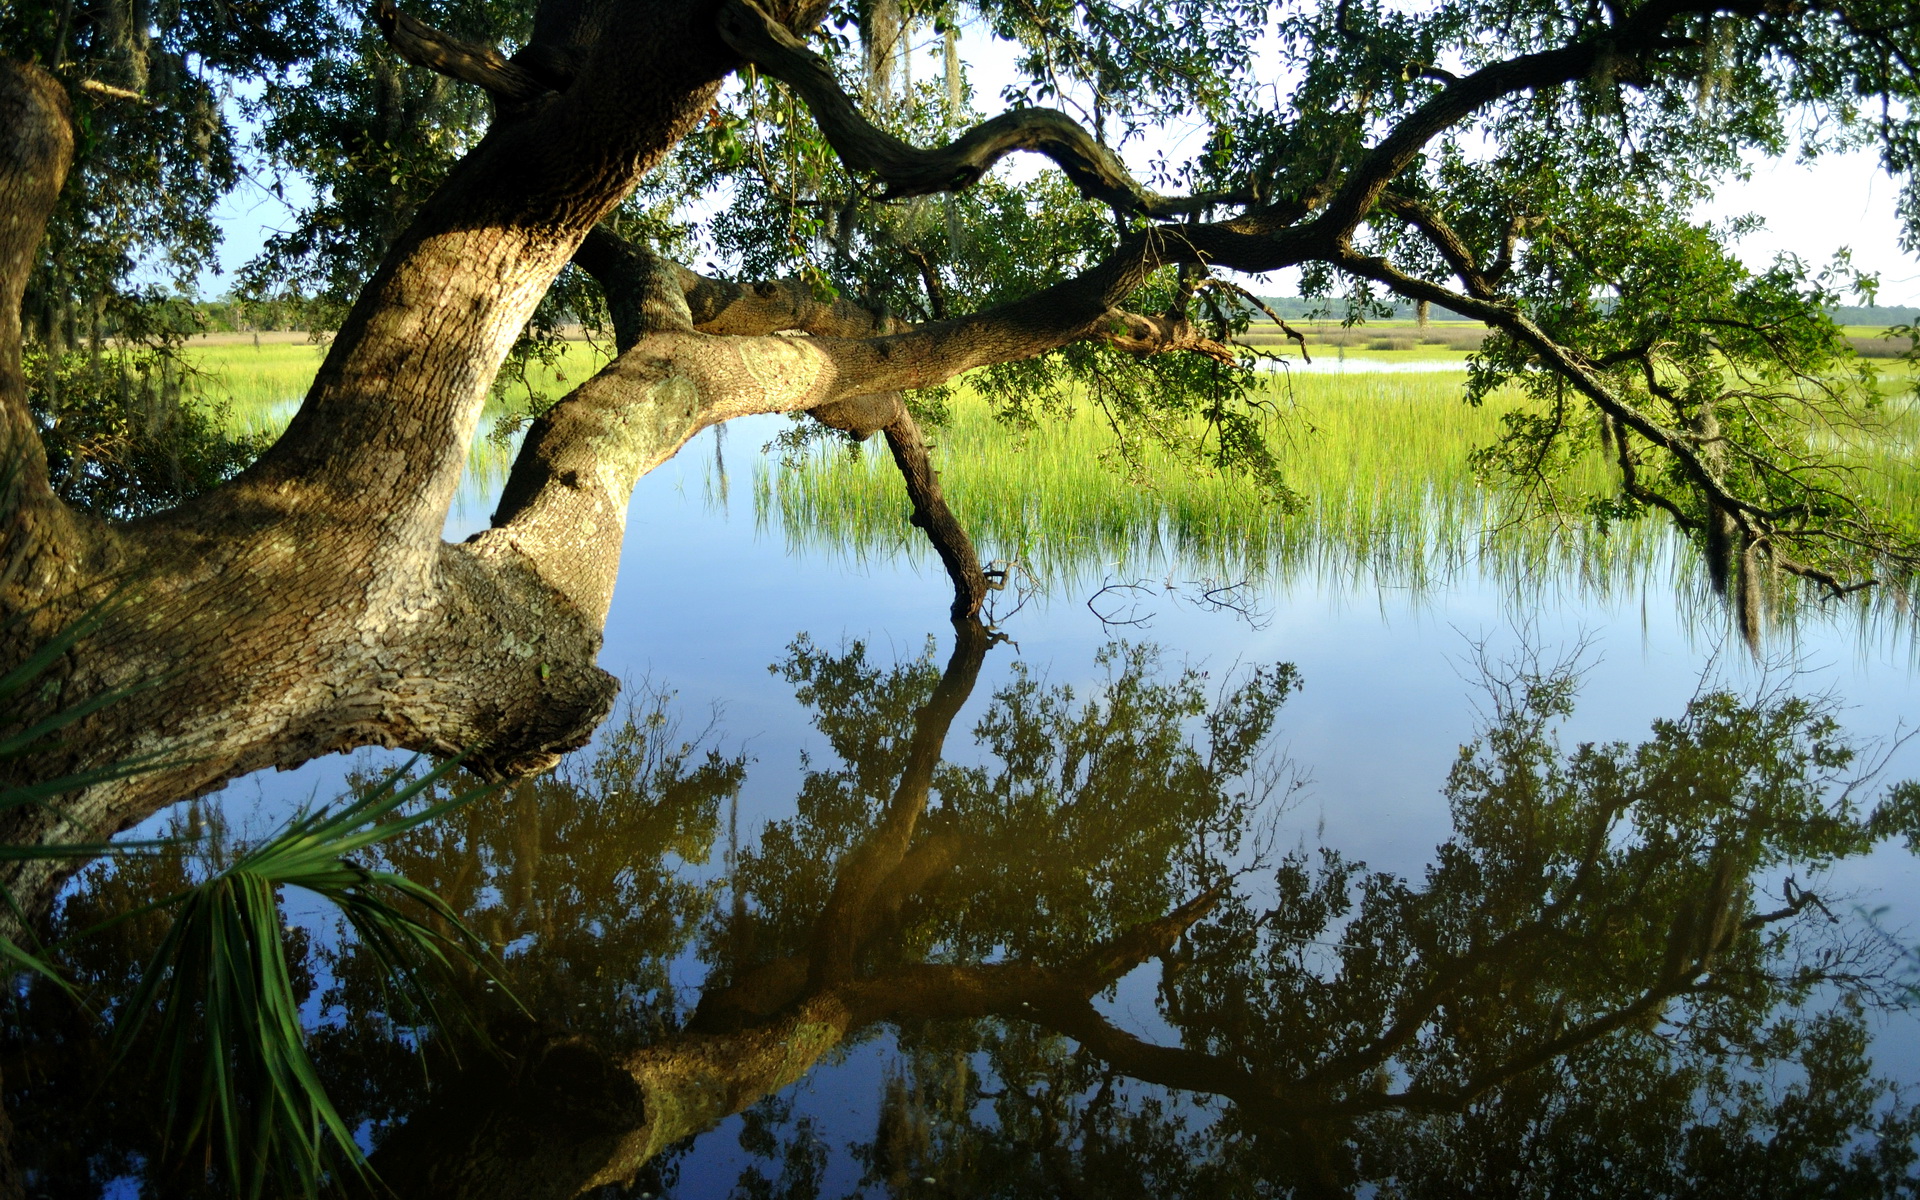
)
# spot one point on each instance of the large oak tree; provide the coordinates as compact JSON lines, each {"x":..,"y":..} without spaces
{"x":1526,"y":163}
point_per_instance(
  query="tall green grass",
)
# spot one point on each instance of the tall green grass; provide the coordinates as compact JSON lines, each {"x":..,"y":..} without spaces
{"x":261,"y":385}
{"x":1390,"y":500}
{"x":1380,"y":461}
{"x":264,"y":384}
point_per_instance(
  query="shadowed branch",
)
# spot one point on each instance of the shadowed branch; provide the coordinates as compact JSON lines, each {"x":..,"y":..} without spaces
{"x":424,"y":46}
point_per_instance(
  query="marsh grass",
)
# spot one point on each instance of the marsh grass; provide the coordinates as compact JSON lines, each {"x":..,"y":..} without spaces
{"x":264,"y":384}
{"x":1387,"y":498}
{"x":261,"y":384}
{"x":1379,"y":463}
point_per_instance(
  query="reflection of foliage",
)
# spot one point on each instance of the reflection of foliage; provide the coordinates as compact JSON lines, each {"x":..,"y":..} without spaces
{"x":1586,"y":994}
{"x":562,"y":870}
{"x":1612,"y":978}
{"x":1093,"y":815}
{"x":573,"y":879}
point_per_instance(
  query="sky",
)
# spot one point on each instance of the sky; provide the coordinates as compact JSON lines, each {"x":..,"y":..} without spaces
{"x":1814,"y":210}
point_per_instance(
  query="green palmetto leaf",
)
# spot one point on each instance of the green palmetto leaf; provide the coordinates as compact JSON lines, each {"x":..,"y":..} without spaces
{"x":36,"y":738}
{"x":227,"y":1035}
{"x":218,"y":994}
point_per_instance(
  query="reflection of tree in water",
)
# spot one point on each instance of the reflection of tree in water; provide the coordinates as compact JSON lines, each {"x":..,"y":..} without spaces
{"x":1612,"y":979}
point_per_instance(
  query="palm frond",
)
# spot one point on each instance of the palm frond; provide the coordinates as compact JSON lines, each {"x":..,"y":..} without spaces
{"x":218,"y":995}
{"x":228,"y":1036}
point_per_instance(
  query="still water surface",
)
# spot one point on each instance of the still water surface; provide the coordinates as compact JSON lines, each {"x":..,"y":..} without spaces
{"x":1596,"y":988}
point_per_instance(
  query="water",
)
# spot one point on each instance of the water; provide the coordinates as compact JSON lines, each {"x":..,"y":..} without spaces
{"x":619,"y":891}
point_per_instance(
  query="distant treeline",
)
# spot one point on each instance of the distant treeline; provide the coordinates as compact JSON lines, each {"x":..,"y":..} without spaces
{"x":230,"y":315}
{"x":1303,"y":309}
{"x":1875,"y":315}
{"x":1299,"y":308}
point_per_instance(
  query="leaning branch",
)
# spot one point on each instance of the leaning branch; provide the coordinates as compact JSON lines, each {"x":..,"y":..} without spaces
{"x":424,"y":46}
{"x":908,"y":170}
{"x":1757,"y":523}
{"x":646,"y":293}
{"x":930,"y":513}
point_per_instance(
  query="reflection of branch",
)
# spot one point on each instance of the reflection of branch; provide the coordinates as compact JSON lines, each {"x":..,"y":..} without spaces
{"x":1128,"y":611}
{"x":562,"y":1117}
{"x":1112,"y":619}
{"x":838,"y":933}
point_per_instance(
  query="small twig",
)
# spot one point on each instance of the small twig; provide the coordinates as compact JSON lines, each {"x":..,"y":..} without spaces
{"x":1263,"y":306}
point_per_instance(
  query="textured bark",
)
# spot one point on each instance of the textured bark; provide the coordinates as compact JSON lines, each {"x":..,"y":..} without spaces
{"x":309,"y":606}
{"x":44,"y":549}
{"x":425,"y":46}
{"x":646,"y":293}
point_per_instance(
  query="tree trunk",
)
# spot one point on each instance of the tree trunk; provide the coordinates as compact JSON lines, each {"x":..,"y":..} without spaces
{"x":309,"y":606}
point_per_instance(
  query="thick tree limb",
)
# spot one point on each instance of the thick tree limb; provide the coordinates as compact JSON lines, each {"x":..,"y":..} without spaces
{"x":777,"y":306}
{"x":41,"y":540}
{"x":643,"y":290}
{"x":424,"y":46}
{"x":911,"y":171}
{"x":646,"y":293}
{"x":1441,"y":237}
{"x":312,"y":595}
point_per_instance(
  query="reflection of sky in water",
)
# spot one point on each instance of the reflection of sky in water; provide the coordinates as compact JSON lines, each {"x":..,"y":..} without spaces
{"x":707,"y":600}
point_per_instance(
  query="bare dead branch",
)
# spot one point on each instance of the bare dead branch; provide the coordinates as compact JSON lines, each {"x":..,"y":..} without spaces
{"x":106,"y":91}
